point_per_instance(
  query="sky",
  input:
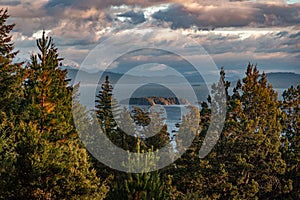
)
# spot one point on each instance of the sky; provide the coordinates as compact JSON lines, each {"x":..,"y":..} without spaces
{"x":232,"y":32}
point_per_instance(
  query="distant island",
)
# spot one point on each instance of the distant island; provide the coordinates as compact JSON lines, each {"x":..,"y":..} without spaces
{"x":154,"y":101}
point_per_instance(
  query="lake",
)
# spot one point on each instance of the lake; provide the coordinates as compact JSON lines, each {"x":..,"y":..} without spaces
{"x":173,"y":113}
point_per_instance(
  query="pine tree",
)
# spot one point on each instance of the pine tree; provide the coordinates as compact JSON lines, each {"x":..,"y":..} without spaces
{"x":291,"y":141}
{"x":246,"y":162}
{"x":10,"y":73}
{"x":209,"y":176}
{"x":193,"y":173}
{"x":147,"y":185}
{"x":51,"y":162}
{"x":152,"y":129}
{"x":108,"y":112}
{"x":7,"y":156}
{"x":53,"y":170}
{"x":144,"y":185}
{"x":253,"y":161}
{"x":185,"y":170}
{"x":11,"y":77}
{"x":132,"y":137}
{"x":48,"y":98}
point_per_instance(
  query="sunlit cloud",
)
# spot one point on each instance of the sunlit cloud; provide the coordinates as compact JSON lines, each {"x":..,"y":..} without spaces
{"x":159,"y":67}
{"x":232,"y":32}
{"x":39,"y":33}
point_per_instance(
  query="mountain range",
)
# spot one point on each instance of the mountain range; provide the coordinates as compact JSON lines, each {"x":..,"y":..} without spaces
{"x":277,"y":79}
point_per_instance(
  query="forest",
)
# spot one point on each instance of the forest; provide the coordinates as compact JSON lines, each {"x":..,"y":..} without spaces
{"x":257,"y":155}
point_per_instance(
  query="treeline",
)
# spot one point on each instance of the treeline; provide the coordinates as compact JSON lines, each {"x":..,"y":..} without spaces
{"x":42,"y":156}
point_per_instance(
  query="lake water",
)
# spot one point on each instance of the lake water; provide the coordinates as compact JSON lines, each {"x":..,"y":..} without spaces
{"x":172,"y":113}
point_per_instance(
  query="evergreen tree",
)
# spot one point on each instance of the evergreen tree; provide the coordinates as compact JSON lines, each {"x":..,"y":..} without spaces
{"x":147,"y":185}
{"x":10,"y":73}
{"x":246,"y":162}
{"x":129,"y":139}
{"x":48,"y":98}
{"x":291,"y":141}
{"x":108,"y":112}
{"x":7,"y":156}
{"x":132,"y":137}
{"x":253,"y":162}
{"x":152,"y":129}
{"x":51,"y":162}
{"x":11,"y":76}
{"x":144,"y":185}
{"x":185,"y":169}
{"x":191,"y":172}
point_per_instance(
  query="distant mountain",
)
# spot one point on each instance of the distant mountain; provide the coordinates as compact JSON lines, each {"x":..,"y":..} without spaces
{"x":277,"y":79}
{"x":72,"y":72}
{"x":130,"y":79}
{"x":283,"y":79}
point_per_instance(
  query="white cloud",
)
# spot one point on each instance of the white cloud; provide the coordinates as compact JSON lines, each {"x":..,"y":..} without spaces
{"x":159,"y":67}
{"x":258,"y":34}
{"x":39,"y":33}
{"x":114,"y":65}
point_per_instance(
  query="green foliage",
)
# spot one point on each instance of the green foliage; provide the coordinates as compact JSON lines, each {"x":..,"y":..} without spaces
{"x":106,"y":109}
{"x":257,"y":155}
{"x":291,"y":140}
{"x":47,"y":97}
{"x":11,"y":74}
{"x":186,"y":168}
{"x":145,"y":185}
{"x":254,"y":139}
{"x":151,"y":128}
{"x":48,"y":160}
{"x":7,"y":156}
{"x":135,"y":124}
{"x":107,"y":112}
{"x":54,"y":170}
{"x":246,"y":162}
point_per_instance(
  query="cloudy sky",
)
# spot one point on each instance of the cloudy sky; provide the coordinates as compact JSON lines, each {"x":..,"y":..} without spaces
{"x":233,"y":32}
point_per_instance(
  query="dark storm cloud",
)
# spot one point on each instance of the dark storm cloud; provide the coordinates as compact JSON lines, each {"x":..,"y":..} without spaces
{"x":230,"y":15}
{"x":135,"y":17}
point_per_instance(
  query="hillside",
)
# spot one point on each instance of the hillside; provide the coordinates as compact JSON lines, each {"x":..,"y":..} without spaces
{"x":283,"y":79}
{"x":277,"y":79}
